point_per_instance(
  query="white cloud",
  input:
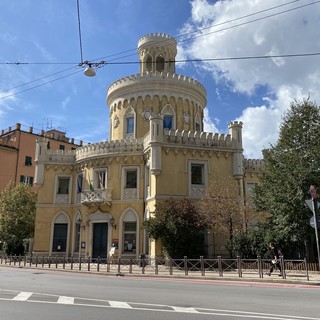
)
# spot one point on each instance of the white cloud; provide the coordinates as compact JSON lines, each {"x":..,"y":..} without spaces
{"x":286,"y":79}
{"x":208,"y":123}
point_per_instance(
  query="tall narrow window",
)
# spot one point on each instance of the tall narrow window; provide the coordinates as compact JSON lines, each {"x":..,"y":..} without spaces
{"x":167,"y":122}
{"x":149,"y":64}
{"x":129,"y":237}
{"x":160,"y":64}
{"x":197,"y":176}
{"x":130,"y":124}
{"x":28,"y":161}
{"x":59,"y":242}
{"x":79,"y":183}
{"x":131,"y":179}
{"x":100,"y":179}
{"x":77,"y":237}
{"x":61,"y":147}
{"x":63,"y":185}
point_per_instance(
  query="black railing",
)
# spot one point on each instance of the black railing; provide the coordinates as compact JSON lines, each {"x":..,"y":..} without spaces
{"x":159,"y":266}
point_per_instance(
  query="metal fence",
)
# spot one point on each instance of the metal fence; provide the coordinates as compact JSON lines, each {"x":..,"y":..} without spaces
{"x":218,"y":267}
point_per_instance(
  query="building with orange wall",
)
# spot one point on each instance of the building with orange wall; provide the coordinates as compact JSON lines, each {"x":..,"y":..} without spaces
{"x":17,"y":151}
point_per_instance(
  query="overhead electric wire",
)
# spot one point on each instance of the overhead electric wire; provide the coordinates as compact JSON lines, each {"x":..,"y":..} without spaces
{"x":219,"y":24}
{"x":39,"y":85}
{"x":35,"y":80}
{"x":79,"y":29}
{"x":183,"y":40}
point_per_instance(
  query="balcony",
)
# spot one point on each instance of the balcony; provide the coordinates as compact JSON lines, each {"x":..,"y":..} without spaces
{"x":96,"y":197}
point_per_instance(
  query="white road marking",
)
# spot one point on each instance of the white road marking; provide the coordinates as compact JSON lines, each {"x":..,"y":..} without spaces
{"x":119,"y":304}
{"x":22,"y":296}
{"x":188,"y":310}
{"x":65,"y":300}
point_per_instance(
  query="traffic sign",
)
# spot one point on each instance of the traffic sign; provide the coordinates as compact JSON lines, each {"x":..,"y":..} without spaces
{"x":309,"y":203}
{"x":312,"y":224}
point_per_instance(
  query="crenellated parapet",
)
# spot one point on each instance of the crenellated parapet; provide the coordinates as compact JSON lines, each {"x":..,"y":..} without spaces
{"x":253,"y":165}
{"x":109,"y":148}
{"x":171,"y":82}
{"x":196,"y":138}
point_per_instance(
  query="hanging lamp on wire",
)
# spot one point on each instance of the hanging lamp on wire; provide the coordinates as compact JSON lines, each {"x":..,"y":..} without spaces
{"x":89,"y":70}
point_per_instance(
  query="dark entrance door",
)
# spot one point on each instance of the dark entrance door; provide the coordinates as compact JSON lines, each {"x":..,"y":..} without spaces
{"x":100,"y":240}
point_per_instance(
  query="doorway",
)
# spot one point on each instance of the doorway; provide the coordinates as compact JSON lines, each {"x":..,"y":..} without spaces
{"x":100,"y":240}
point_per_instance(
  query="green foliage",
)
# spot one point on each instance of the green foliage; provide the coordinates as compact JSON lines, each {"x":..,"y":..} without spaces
{"x":251,"y":244}
{"x":17,"y":217}
{"x":291,"y":166}
{"x":179,"y":226}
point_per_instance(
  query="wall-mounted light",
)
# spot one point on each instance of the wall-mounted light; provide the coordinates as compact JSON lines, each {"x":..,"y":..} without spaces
{"x":113,"y":223}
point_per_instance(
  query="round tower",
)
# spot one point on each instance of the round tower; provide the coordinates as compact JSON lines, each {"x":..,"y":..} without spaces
{"x":157,"y":89}
{"x":157,"y":53}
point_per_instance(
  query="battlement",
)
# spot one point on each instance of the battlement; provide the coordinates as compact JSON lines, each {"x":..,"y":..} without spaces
{"x":253,"y":164}
{"x":61,"y":156}
{"x":157,"y":38}
{"x":196,"y":138}
{"x":147,"y":76}
{"x":109,"y":148}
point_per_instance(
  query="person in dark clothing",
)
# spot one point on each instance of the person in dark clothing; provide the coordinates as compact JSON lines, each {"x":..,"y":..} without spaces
{"x":274,"y":259}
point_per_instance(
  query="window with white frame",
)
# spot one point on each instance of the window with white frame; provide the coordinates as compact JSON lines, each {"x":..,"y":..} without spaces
{"x":167,"y":121}
{"x":63,"y":185}
{"x":168,"y":117}
{"x":100,"y":179}
{"x":129,"y":122}
{"x":131,"y":178}
{"x":129,"y":182}
{"x":197,"y":174}
{"x":26,"y":180}
{"x":129,"y":236}
{"x":198,"y":178}
{"x":60,"y":232}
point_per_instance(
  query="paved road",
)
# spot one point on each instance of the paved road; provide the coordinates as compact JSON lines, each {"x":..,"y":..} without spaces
{"x":29,"y":294}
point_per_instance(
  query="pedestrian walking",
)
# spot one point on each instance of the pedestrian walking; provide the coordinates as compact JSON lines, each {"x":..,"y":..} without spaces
{"x":274,"y":258}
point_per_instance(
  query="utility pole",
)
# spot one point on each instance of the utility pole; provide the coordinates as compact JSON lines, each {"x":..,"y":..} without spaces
{"x":313,"y":192}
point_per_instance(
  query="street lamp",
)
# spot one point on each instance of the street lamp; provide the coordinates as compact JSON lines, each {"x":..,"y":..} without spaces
{"x":89,"y":70}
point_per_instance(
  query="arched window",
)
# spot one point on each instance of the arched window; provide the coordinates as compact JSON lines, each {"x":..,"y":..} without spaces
{"x":60,"y":233}
{"x":197,"y":124}
{"x":129,"y":123}
{"x":169,"y":118}
{"x":129,"y":232}
{"x":77,"y":226}
{"x":160,"y":64}
{"x":149,"y":63}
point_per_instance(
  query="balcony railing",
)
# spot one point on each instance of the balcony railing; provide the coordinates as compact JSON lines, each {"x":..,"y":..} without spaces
{"x":96,"y":197}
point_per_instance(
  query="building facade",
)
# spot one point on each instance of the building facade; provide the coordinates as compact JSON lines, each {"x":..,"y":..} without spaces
{"x":17,"y":152}
{"x":97,"y":196}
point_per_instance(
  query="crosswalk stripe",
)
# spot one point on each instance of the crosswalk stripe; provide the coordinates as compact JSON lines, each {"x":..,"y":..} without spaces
{"x":65,"y":300}
{"x":119,"y":304}
{"x":181,"y":309}
{"x":22,"y":296}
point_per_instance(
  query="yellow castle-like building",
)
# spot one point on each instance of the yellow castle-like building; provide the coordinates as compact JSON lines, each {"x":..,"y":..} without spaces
{"x":96,"y":197}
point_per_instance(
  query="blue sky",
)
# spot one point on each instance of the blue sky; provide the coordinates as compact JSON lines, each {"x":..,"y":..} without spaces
{"x":48,"y":89}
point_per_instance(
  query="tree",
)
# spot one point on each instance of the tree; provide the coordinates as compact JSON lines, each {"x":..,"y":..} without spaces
{"x":17,"y":217}
{"x":291,"y":166}
{"x":179,"y":226}
{"x":223,"y":205}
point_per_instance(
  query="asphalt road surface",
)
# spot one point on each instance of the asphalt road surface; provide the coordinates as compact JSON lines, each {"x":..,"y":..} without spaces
{"x":33,"y":294}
